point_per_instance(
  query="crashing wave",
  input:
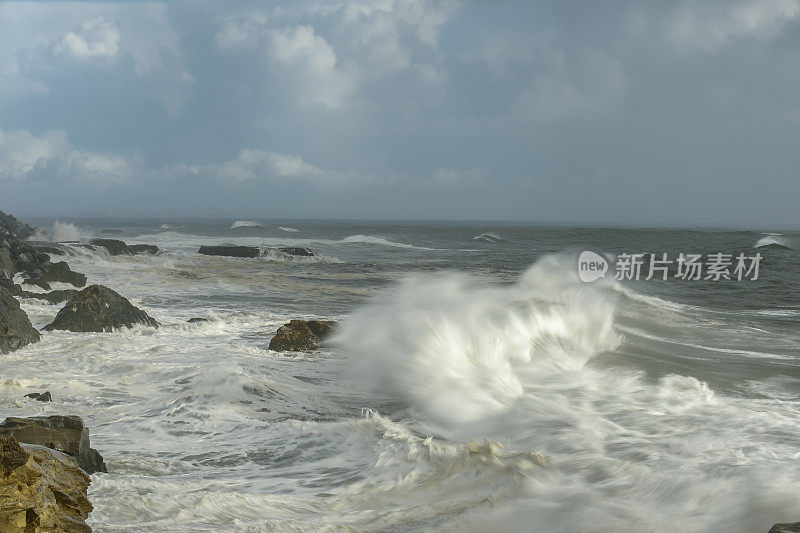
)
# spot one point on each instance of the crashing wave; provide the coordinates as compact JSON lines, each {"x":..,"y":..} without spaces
{"x":245,"y":224}
{"x":376,"y":239}
{"x":489,"y":237}
{"x":289,"y":230}
{"x":774,"y":240}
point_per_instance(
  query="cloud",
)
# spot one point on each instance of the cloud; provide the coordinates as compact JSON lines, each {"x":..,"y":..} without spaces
{"x":266,"y":165}
{"x":96,"y":38}
{"x":709,"y":25}
{"x":50,"y":156}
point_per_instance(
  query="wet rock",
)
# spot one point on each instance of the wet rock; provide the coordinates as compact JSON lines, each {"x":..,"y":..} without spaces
{"x":67,"y":434}
{"x":54,"y":297}
{"x":14,"y":228}
{"x":16,"y":330}
{"x":99,"y":309}
{"x":60,"y":272}
{"x":41,"y":490}
{"x":197,"y":320}
{"x":40,"y":397}
{"x":7,"y":264}
{"x":301,"y":335}
{"x":786,"y":528}
{"x":297,"y":250}
{"x":231,"y":251}
{"x":49,"y":249}
{"x":151,"y":249}
{"x":114,"y":246}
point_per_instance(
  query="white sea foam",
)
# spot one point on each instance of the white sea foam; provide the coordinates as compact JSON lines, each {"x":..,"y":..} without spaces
{"x":288,"y":230}
{"x":377,"y":239}
{"x":488,"y":237}
{"x":245,"y":224}
{"x":773,"y":240}
{"x":66,"y":231}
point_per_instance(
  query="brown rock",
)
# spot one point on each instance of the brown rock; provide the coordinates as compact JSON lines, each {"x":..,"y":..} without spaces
{"x":97,"y":309}
{"x":301,"y":335}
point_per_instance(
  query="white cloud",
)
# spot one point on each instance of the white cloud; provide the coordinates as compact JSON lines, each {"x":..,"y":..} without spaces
{"x":24,"y":155}
{"x":96,"y":38}
{"x":253,"y":164}
{"x":709,"y":25}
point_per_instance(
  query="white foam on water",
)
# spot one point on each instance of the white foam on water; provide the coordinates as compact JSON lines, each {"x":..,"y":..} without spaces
{"x":245,"y":224}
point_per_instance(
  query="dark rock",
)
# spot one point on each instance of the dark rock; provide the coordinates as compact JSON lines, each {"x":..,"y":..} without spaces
{"x":49,"y":249}
{"x":54,"y":297}
{"x":231,"y":251}
{"x":41,"y":490}
{"x":98,"y":308}
{"x":114,"y":246}
{"x":112,"y":231}
{"x":60,"y":272}
{"x":16,"y":330}
{"x":297,"y":250}
{"x":301,"y":335}
{"x":151,"y":249}
{"x":7,"y":264}
{"x":197,"y":320}
{"x":67,"y":434}
{"x":13,"y":227}
{"x":43,"y":397}
{"x":38,"y":282}
{"x":786,"y":528}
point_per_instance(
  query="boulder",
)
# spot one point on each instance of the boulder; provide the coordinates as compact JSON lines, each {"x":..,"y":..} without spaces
{"x":40,"y":397}
{"x":99,"y":309}
{"x":301,"y":335}
{"x":114,"y":246}
{"x":16,"y":330}
{"x":60,"y":272}
{"x":297,"y":250}
{"x":67,"y":434}
{"x":41,"y":490}
{"x":7,"y":264}
{"x":786,"y":528}
{"x":231,"y":251}
{"x":197,"y":320}
{"x":151,"y":249}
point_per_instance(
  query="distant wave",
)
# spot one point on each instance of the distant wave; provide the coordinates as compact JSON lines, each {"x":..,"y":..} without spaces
{"x":488,"y":237}
{"x":167,"y":226}
{"x":271,"y":254}
{"x":376,"y":239}
{"x":245,"y":224}
{"x":290,"y":230}
{"x":774,"y":240}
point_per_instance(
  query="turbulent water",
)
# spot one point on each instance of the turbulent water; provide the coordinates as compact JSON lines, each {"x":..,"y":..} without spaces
{"x":474,"y":384}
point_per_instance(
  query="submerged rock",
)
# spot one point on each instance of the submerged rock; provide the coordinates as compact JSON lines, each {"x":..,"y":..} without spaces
{"x":16,"y":330}
{"x":99,"y":309}
{"x":67,"y":434}
{"x":231,"y":251}
{"x":151,"y":249}
{"x":786,"y":528}
{"x":40,"y":397}
{"x":301,"y":335}
{"x":197,"y":320}
{"x":114,"y":246}
{"x":41,"y":490}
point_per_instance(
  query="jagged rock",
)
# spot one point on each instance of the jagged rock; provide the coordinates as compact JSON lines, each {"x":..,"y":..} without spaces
{"x":151,"y":249}
{"x":67,"y":434}
{"x":786,"y":528}
{"x":7,"y":264}
{"x":297,"y":250}
{"x":114,"y":246}
{"x":41,"y":397}
{"x":301,"y":335}
{"x":97,"y":309}
{"x":16,"y":330}
{"x":60,"y":272}
{"x":54,"y":297}
{"x":41,"y":490}
{"x":197,"y":320}
{"x":14,"y":227}
{"x":38,"y":282}
{"x":49,"y":249}
{"x":231,"y":251}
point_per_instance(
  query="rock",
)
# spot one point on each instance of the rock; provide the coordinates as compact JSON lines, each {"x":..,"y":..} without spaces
{"x":297,"y":250}
{"x":13,"y":227}
{"x":299,"y":335}
{"x":41,"y":490}
{"x":67,"y":434}
{"x":38,"y":282}
{"x":16,"y":330}
{"x":112,"y":231}
{"x":151,"y":249}
{"x":114,"y":246}
{"x":7,"y":264}
{"x":786,"y":528}
{"x":54,"y":297}
{"x":197,"y":320}
{"x":231,"y":251}
{"x":49,"y":249}
{"x":43,"y":397}
{"x":98,"y":308}
{"x":60,"y":272}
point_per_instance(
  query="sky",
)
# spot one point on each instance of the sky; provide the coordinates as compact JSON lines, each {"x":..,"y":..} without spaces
{"x":645,"y":113}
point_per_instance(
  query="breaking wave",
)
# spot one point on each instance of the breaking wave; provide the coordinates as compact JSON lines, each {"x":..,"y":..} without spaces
{"x":288,"y":230}
{"x":245,"y":224}
{"x":376,"y":239}
{"x":773,"y":239}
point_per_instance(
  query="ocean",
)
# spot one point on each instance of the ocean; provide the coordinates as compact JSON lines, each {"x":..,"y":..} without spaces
{"x":474,"y":382}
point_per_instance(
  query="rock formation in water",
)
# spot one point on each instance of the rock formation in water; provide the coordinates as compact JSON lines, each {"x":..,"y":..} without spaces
{"x":301,"y":335}
{"x":99,"y":309}
{"x":16,"y":330}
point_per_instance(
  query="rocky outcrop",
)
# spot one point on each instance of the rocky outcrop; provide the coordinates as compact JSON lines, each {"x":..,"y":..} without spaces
{"x":114,"y":246}
{"x":53,"y":297}
{"x":60,"y":272}
{"x":301,"y":251}
{"x":301,"y":335}
{"x":151,"y":249}
{"x":67,"y":434}
{"x":40,"y":396}
{"x":10,"y":226}
{"x":231,"y":251}
{"x":41,"y":490}
{"x":16,"y":330}
{"x":99,"y":309}
{"x":786,"y":528}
